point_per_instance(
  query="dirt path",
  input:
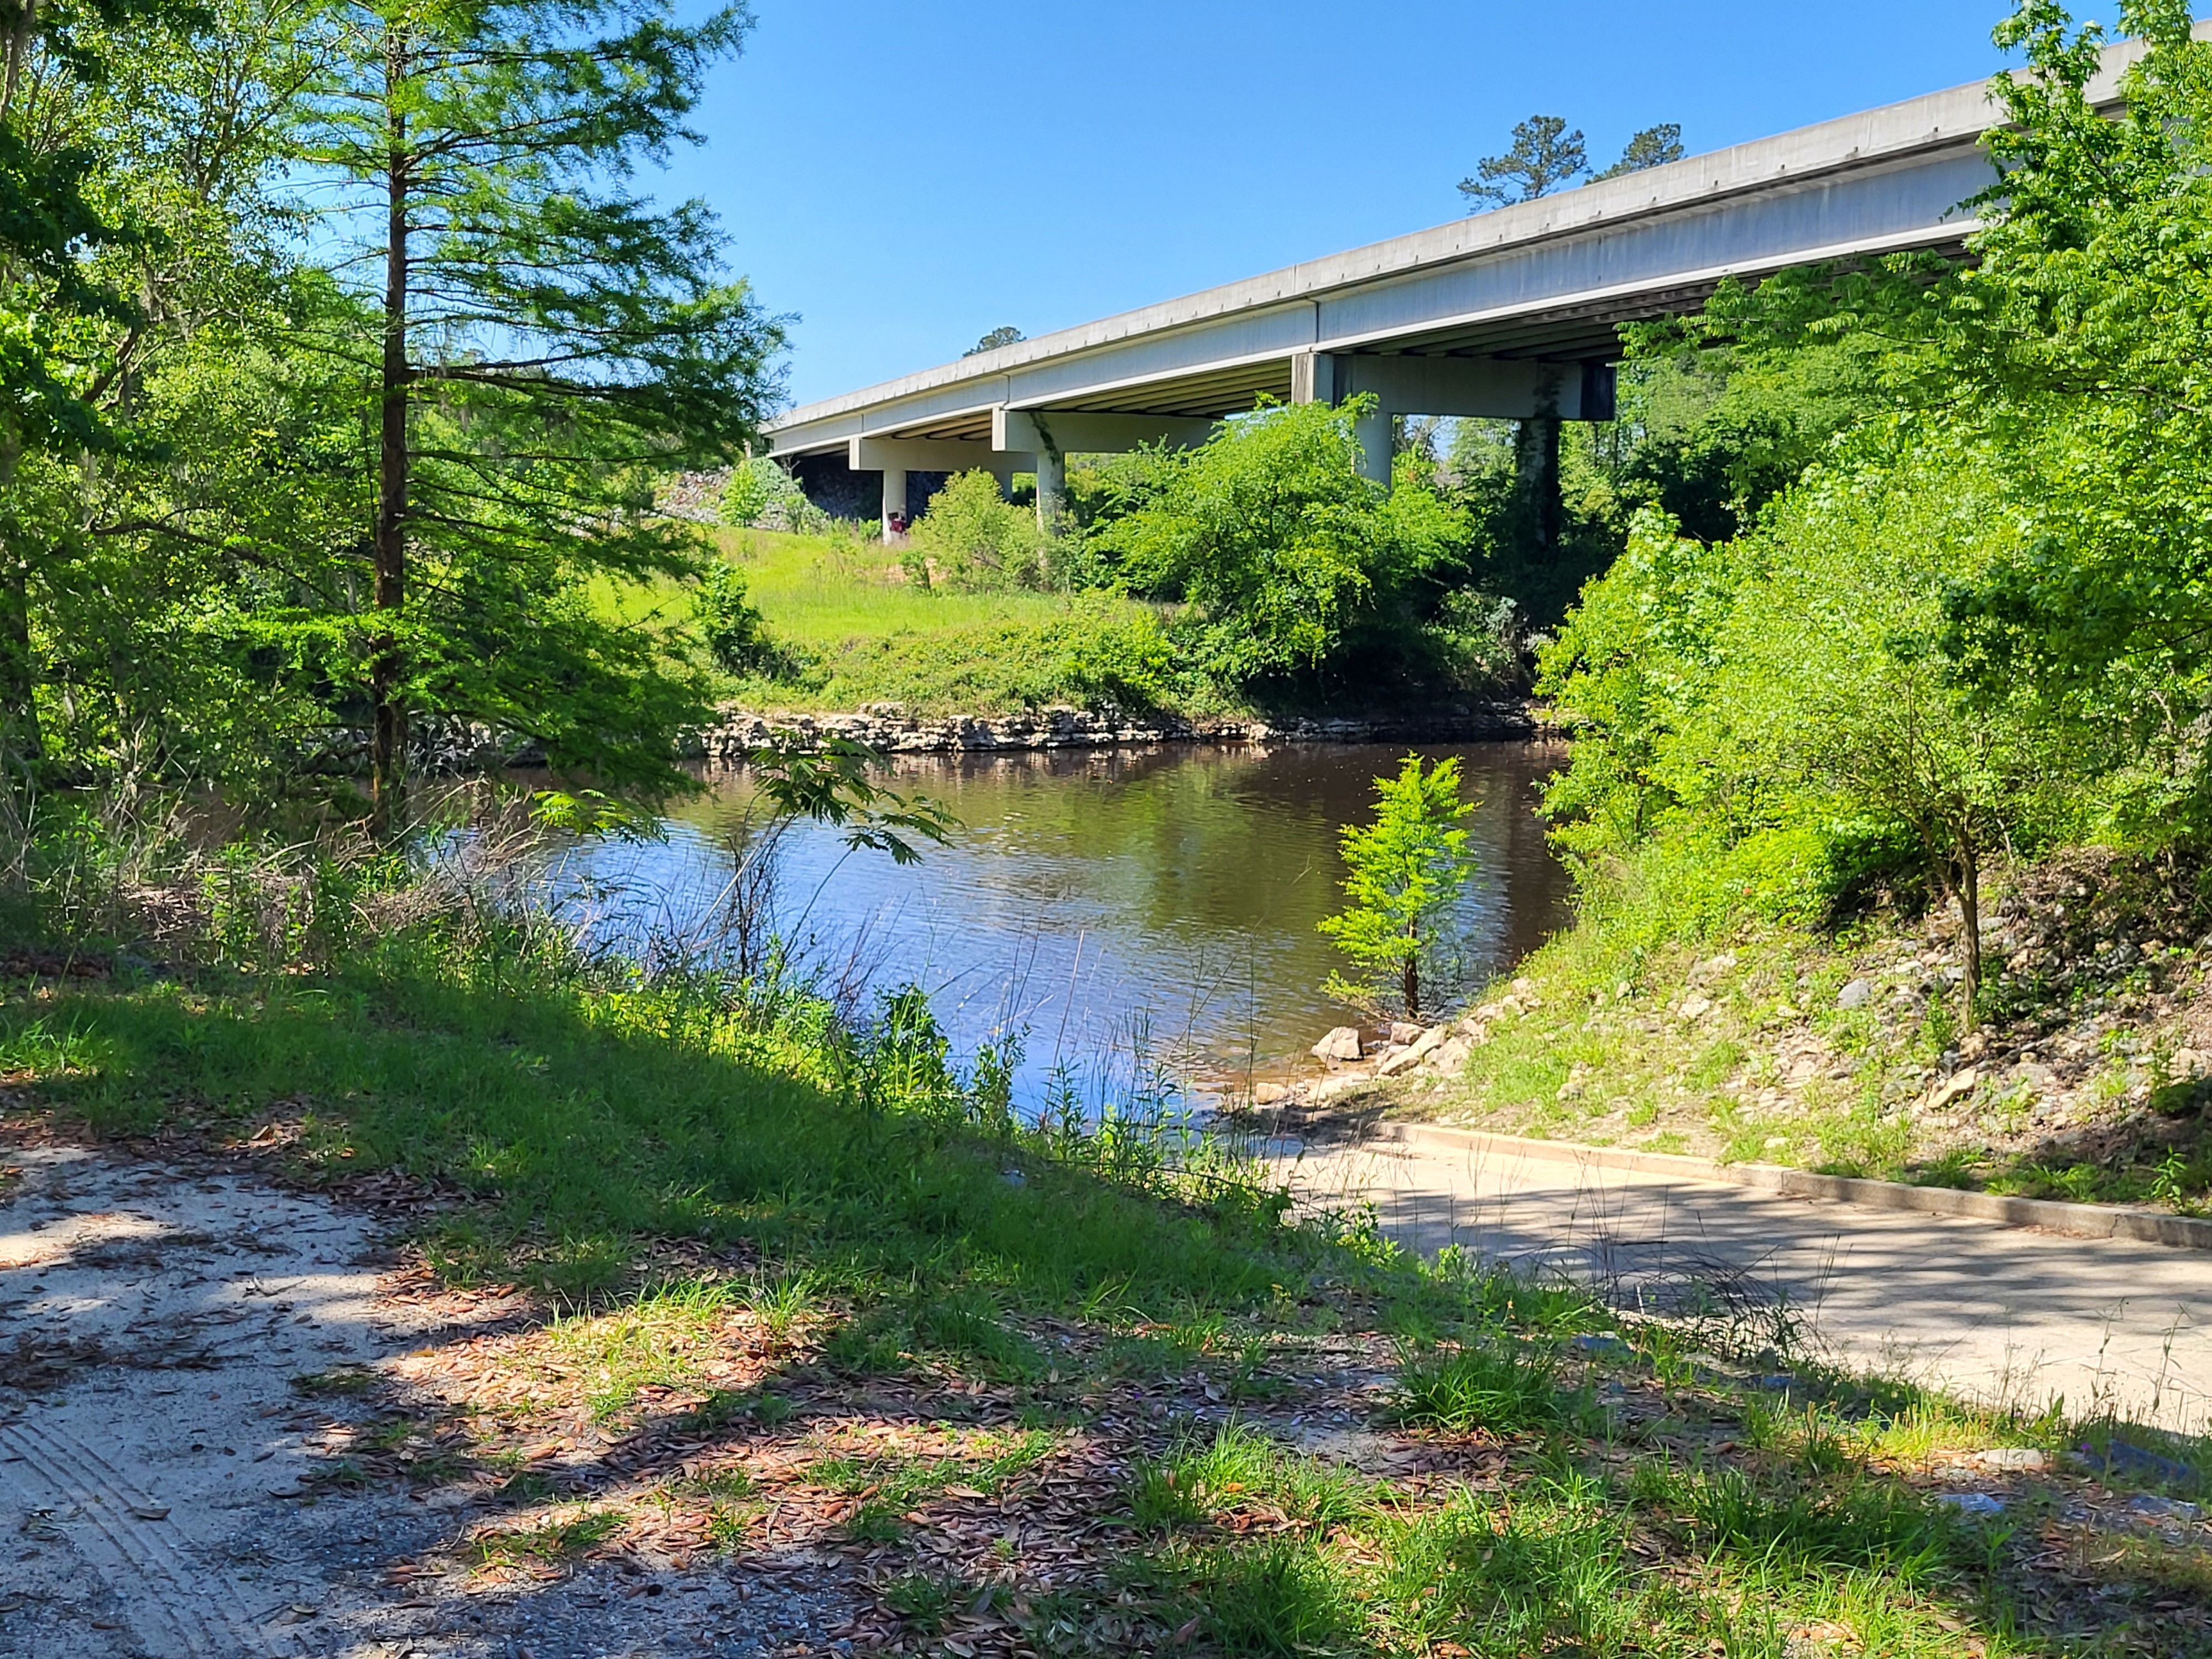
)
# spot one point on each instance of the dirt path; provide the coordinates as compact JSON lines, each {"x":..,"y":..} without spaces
{"x":162,"y":1491}
{"x":2003,"y":1314}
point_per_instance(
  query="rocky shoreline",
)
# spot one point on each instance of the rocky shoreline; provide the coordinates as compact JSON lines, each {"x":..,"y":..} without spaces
{"x":1355,"y":1058}
{"x":889,"y":728}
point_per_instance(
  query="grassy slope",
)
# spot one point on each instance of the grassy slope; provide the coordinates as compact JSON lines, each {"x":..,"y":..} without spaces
{"x":796,"y":1322}
{"x":2087,"y":1082}
{"x":872,"y":637}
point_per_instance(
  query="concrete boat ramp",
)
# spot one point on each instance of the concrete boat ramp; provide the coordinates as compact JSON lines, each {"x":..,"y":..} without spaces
{"x":2003,"y":1314}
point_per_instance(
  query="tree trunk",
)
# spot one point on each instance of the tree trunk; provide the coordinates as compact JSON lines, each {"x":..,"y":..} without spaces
{"x":22,"y":745}
{"x":1969,"y":895}
{"x":1409,"y":978}
{"x":388,"y":741}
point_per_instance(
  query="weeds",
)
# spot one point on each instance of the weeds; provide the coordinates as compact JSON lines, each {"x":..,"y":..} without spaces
{"x":552,"y":1540}
{"x":1503,"y":1386}
{"x":1242,"y":1466}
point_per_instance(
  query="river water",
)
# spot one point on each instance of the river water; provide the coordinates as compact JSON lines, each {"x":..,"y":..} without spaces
{"x":1106,"y":903}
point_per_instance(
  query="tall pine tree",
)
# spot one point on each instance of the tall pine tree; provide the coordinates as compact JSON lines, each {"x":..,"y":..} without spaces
{"x":544,"y":339}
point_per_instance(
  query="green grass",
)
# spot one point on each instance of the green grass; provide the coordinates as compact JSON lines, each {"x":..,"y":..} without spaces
{"x":890,"y":1485}
{"x":856,"y":632}
{"x":586,"y":1117}
{"x":1242,"y":1466}
{"x":1503,"y":1386}
{"x":900,"y":1328}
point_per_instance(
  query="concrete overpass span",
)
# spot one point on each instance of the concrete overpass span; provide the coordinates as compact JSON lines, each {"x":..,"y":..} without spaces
{"x":1513,"y":313}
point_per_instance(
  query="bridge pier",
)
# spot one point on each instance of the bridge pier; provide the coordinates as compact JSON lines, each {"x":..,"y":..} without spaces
{"x":893,"y":497}
{"x":1051,"y":489}
{"x":1538,"y":395}
{"x":1371,"y":431}
{"x":1051,"y":436}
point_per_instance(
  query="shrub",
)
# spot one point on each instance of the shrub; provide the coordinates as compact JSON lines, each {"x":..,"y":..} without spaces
{"x":979,"y":539}
{"x":1270,"y":532}
{"x":761,"y":496}
{"x":735,"y":632}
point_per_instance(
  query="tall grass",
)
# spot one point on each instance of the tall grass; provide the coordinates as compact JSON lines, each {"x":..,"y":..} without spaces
{"x":417,"y":1014}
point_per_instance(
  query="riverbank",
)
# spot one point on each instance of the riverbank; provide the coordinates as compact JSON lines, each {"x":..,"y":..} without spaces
{"x":2088,"y":1081}
{"x":845,"y":632}
{"x":625,"y":1322}
{"x":892,"y":729}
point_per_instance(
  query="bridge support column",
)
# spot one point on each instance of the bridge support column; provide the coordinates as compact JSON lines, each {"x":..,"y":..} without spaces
{"x":893,"y":497}
{"x":1372,"y":430}
{"x":1051,"y":489}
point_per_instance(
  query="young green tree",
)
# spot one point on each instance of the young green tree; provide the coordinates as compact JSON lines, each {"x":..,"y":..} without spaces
{"x":543,"y":337}
{"x":1404,"y":873}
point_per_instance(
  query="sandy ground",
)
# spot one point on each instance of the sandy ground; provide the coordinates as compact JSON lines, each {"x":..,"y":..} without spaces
{"x":2004,"y":1314}
{"x":154,"y":1449}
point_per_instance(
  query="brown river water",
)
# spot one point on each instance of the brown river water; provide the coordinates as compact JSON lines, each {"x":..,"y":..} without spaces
{"x":1108,"y":904}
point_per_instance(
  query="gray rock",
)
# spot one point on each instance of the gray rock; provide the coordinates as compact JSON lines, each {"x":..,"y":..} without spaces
{"x":2011,"y":1458}
{"x":1422,"y":1045}
{"x":1451,"y":1057}
{"x":1856,"y":995}
{"x":1342,"y":1044}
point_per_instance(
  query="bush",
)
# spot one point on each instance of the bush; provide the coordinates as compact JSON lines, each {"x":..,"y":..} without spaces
{"x":978,"y":540}
{"x":1273,"y":536}
{"x":761,"y":496}
{"x":735,"y":632}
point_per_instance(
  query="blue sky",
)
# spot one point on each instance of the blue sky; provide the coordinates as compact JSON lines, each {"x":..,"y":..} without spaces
{"x":904,"y":174}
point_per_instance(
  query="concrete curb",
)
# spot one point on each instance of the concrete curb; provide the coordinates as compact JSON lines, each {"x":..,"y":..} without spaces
{"x":2082,"y":1220}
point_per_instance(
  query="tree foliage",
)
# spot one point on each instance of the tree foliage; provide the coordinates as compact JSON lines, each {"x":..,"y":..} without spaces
{"x":1404,"y":874}
{"x":345,"y":351}
{"x":1982,"y":620}
{"x":540,"y":338}
{"x":1274,"y":539}
{"x":1653,"y":147}
{"x":1544,"y":157}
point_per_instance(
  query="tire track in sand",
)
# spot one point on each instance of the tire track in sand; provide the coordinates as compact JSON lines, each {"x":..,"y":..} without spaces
{"x":177,"y":1610}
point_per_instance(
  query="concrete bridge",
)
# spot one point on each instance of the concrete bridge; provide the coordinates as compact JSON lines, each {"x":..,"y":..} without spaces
{"x":1513,"y":313}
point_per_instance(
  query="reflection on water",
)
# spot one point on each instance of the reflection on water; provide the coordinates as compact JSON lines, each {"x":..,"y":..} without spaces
{"x":1094,"y":893}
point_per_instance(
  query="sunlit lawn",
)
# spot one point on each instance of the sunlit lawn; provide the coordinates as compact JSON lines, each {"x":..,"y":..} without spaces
{"x":865,"y":634}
